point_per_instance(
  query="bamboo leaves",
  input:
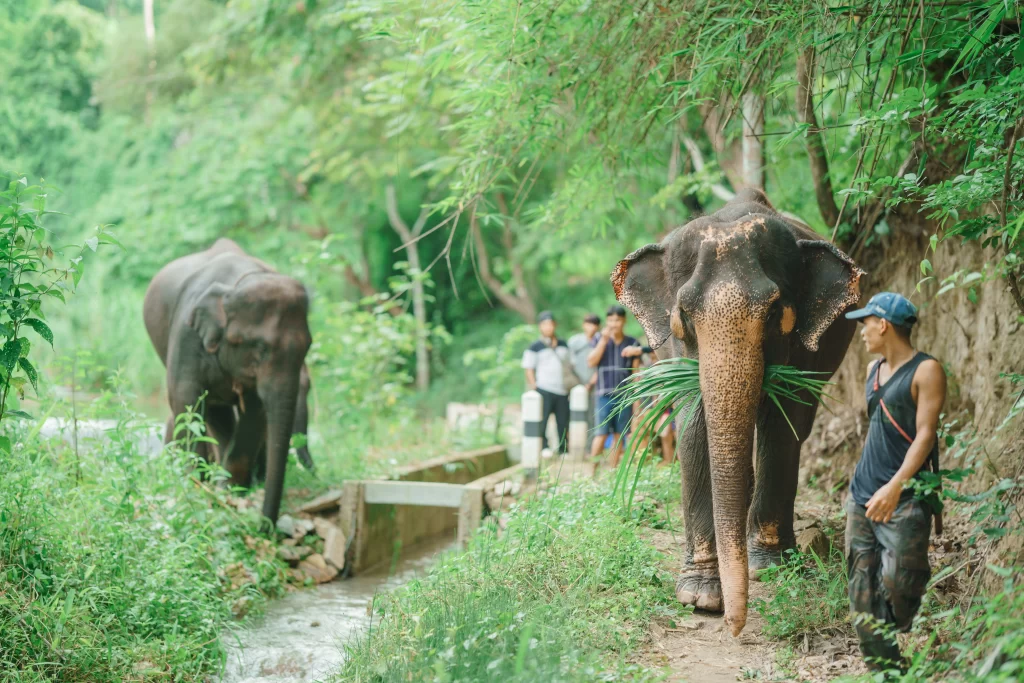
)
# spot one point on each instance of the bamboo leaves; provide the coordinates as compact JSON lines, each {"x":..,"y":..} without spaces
{"x":673,"y":386}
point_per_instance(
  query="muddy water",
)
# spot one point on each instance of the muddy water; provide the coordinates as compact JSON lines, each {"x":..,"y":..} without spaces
{"x":300,"y":637}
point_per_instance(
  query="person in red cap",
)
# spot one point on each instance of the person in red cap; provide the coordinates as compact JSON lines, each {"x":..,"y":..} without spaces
{"x":887,"y":527}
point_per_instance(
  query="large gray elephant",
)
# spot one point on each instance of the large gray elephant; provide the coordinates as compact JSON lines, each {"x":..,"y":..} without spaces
{"x":229,"y":325}
{"x":740,"y":289}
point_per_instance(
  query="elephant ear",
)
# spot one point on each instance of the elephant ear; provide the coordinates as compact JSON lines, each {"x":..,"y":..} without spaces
{"x":208,"y":317}
{"x":832,"y":282}
{"x":641,"y":285}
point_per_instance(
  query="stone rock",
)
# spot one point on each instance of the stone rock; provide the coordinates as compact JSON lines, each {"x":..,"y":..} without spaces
{"x":317,"y":568}
{"x":496,"y":502}
{"x":303,"y":527}
{"x":328,"y":501}
{"x":801,"y":524}
{"x":297,"y":576}
{"x":813,"y":540}
{"x":286,"y":525}
{"x":237,"y":575}
{"x":293,"y":554}
{"x":334,"y":542}
{"x":503,"y":489}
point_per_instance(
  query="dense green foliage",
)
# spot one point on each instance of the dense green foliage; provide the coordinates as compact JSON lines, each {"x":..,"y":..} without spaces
{"x":115,"y":566}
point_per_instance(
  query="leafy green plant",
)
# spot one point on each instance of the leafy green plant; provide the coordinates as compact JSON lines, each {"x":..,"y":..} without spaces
{"x":808,"y":594}
{"x":27,"y":279}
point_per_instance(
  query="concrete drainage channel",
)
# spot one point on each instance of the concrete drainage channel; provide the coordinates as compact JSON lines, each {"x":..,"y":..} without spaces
{"x":377,"y":534}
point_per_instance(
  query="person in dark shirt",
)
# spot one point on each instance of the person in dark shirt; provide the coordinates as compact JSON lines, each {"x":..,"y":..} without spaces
{"x":613,"y":368}
{"x":887,"y":528}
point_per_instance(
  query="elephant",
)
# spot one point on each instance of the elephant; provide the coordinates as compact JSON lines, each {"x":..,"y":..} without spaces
{"x":229,"y":325}
{"x":740,"y":289}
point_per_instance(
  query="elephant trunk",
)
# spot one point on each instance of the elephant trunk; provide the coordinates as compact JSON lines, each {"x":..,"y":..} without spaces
{"x":278,"y":396}
{"x":731,"y":372}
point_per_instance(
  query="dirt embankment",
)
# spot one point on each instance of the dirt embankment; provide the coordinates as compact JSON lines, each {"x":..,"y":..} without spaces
{"x":975,"y":342}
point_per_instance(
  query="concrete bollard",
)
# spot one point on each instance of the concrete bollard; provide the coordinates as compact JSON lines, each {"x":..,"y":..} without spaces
{"x":533,"y":409}
{"x":579,"y":403}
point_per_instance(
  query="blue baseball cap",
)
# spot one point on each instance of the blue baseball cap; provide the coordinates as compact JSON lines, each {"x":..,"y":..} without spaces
{"x":889,"y":306}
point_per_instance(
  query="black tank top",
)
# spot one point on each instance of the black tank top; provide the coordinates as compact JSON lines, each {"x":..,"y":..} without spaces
{"x":887,"y":443}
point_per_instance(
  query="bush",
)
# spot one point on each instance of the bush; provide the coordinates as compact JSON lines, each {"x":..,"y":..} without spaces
{"x":114,"y":565}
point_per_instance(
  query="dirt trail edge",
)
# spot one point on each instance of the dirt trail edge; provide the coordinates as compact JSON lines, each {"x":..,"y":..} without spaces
{"x":699,"y":649}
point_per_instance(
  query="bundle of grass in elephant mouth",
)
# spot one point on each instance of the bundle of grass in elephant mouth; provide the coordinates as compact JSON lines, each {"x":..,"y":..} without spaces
{"x":673,"y":386}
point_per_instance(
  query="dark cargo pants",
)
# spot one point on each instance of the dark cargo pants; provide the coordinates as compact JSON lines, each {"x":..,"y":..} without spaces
{"x":888,"y":571}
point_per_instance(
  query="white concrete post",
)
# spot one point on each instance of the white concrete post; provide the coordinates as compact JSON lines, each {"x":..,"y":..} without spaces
{"x":579,"y":402}
{"x":533,"y":409}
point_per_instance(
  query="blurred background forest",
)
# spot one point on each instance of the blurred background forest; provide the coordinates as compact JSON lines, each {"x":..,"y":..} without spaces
{"x":492,"y":160}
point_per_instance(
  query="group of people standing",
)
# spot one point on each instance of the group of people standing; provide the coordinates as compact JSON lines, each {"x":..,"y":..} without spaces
{"x":600,"y":357}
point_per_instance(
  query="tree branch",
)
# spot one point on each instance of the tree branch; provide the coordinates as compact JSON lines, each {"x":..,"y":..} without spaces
{"x":523,"y":307}
{"x":697,"y":158}
{"x":815,"y":148}
{"x":518,"y":278}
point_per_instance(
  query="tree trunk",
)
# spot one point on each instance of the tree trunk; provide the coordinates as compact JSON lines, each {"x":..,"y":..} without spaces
{"x":816,"y":152}
{"x":409,"y":239}
{"x":150,"y":27}
{"x":753,"y":147}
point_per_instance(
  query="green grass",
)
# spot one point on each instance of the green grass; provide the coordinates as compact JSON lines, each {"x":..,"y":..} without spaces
{"x":808,"y":596}
{"x":565,"y":594}
{"x":117,"y":567}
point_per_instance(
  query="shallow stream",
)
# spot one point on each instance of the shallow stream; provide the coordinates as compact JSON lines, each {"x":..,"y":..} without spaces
{"x":301,"y":636}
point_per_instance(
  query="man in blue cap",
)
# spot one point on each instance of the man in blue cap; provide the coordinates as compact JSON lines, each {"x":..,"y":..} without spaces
{"x":887,"y":527}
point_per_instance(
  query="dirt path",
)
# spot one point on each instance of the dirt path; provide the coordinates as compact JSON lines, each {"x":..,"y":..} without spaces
{"x":701,"y":650}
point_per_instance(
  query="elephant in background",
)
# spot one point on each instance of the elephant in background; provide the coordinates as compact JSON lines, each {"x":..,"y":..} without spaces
{"x":229,"y":325}
{"x":740,"y":289}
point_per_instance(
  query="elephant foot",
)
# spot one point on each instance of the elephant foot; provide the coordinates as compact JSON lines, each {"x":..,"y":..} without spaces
{"x":760,"y":557}
{"x":702,"y":589}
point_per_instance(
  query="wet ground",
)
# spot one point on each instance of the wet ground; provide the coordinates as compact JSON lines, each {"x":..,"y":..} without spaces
{"x":301,"y":636}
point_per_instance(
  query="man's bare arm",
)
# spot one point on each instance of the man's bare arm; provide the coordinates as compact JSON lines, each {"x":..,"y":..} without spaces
{"x":531,"y":378}
{"x":594,"y":357}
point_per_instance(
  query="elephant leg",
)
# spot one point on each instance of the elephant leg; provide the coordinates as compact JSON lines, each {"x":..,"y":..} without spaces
{"x":259,"y":462}
{"x":220,"y":425}
{"x":302,"y":419}
{"x":776,"y":471}
{"x":698,"y":583}
{"x":243,"y":452}
{"x":181,"y":397}
{"x":169,"y":430}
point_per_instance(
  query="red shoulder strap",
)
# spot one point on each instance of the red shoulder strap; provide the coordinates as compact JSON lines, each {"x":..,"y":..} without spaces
{"x":899,"y":429}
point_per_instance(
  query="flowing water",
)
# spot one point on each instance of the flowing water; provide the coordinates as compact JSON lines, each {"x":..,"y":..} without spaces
{"x":300,"y":637}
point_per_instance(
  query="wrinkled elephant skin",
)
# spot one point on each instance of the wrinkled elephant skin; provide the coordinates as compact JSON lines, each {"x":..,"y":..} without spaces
{"x":228,"y":325}
{"x":740,"y":289}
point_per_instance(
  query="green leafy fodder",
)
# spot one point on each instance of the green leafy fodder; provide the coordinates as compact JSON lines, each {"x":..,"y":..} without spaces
{"x":564,"y":595}
{"x":673,"y":385}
